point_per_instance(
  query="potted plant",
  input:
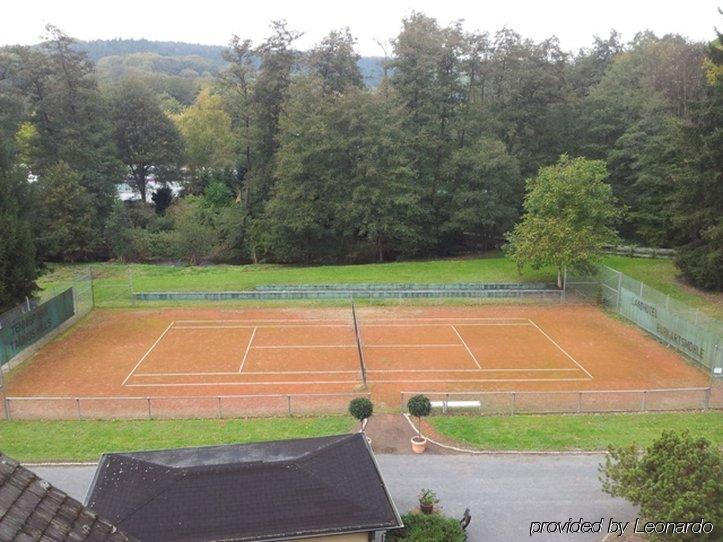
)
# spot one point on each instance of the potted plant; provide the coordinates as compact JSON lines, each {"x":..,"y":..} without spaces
{"x":427,"y":500}
{"x":419,"y":406}
{"x":361,"y":409}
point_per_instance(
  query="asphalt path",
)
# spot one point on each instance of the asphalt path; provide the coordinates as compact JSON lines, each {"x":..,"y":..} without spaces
{"x":505,"y":493}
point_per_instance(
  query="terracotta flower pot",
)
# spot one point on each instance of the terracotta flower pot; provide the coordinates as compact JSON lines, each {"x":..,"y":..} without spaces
{"x":426,"y":508}
{"x":419,"y":444}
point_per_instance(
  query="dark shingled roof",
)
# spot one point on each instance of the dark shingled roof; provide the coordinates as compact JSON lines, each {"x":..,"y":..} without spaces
{"x":33,"y":510}
{"x":261,"y":491}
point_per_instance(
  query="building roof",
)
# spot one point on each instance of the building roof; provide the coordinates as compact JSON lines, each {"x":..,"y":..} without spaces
{"x":33,"y":510}
{"x":263,"y":491}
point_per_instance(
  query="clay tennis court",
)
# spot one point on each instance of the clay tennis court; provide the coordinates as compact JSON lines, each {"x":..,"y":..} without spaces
{"x":177,"y":353}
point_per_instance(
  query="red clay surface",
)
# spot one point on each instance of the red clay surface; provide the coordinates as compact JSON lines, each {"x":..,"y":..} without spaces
{"x":211,"y":352}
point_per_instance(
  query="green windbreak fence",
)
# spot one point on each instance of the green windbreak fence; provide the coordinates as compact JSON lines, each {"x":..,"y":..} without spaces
{"x":21,"y":330}
{"x":684,"y":328}
{"x":36,"y":319}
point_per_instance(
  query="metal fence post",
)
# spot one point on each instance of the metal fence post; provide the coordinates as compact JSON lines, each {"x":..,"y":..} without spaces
{"x":642,"y":403}
{"x":288,"y":400}
{"x":148,"y":401}
{"x":579,"y":402}
{"x":130,"y":285}
{"x":220,"y":412}
{"x":92,"y":292}
{"x":6,"y":400}
{"x":620,"y":291}
{"x":706,"y":398}
{"x":401,"y":402}
{"x":514,"y":399}
{"x":77,"y":407}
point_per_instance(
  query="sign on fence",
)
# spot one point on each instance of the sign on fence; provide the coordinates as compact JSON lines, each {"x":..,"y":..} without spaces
{"x":23,"y":329}
{"x":686,"y":329}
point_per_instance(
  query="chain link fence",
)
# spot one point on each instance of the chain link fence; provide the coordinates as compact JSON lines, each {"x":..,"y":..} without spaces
{"x":35,"y":321}
{"x":175,"y":407}
{"x":688,"y":330}
{"x":572,"y":402}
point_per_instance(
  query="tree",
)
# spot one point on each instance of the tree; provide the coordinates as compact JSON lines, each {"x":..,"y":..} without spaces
{"x":420,"y":407}
{"x":271,"y":85}
{"x":194,"y":237}
{"x":698,"y":199}
{"x":361,"y":409}
{"x":162,"y":199}
{"x":146,"y":138}
{"x":206,"y":131}
{"x":334,"y":60}
{"x":677,"y":479}
{"x":569,"y":212}
{"x":65,"y":119}
{"x":484,"y":203}
{"x":18,"y":269}
{"x":237,"y":82}
{"x":66,"y":216}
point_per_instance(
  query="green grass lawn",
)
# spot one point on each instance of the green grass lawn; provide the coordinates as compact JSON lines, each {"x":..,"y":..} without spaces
{"x":662,"y":275}
{"x":86,"y":440}
{"x":573,"y":432}
{"x":112,"y":284}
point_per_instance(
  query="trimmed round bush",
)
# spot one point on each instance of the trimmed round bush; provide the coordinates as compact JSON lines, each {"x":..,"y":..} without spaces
{"x":419,"y":406}
{"x":361,"y":408}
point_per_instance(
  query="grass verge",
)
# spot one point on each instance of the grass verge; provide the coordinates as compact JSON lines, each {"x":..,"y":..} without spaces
{"x":573,"y":432}
{"x":112,"y":284}
{"x":34,"y":441}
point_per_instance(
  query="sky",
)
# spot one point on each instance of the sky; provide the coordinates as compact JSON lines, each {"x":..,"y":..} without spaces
{"x":213,"y":22}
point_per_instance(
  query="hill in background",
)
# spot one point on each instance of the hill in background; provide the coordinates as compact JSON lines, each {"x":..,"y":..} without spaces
{"x":180,"y":67}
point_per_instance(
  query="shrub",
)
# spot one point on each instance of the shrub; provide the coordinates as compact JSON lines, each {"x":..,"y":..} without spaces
{"x":678,"y":478}
{"x":419,"y":406}
{"x":428,"y":528}
{"x":427,"y":496}
{"x":361,"y":408}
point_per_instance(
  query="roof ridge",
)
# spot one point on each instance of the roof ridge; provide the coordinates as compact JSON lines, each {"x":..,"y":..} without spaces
{"x":348,"y":495}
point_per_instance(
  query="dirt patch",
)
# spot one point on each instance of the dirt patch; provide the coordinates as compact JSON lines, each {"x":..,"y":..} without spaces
{"x":391,"y":434}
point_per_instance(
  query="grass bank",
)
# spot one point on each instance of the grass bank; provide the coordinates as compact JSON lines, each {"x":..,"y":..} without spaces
{"x":573,"y":432}
{"x":34,"y":441}
{"x":113,"y":282}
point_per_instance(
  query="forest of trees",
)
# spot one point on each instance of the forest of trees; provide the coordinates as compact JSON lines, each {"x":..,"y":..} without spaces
{"x":288,"y":156}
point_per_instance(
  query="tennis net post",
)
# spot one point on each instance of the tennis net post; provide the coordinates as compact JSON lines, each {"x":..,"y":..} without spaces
{"x":359,"y":348}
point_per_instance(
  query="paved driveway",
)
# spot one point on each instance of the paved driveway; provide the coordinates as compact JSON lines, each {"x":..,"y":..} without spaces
{"x":503,"y":492}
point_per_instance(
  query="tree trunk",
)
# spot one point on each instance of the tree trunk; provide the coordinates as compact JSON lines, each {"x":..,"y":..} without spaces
{"x":559,"y":277}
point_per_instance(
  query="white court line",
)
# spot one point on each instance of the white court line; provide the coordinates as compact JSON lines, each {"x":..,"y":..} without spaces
{"x":283,"y":326}
{"x":466,"y":347}
{"x":258,"y":320}
{"x":319,"y":382}
{"x":288,"y":346}
{"x":279,"y":383}
{"x":440,"y":324}
{"x":416,"y":370}
{"x":248,"y":347}
{"x":562,"y":350}
{"x":251,"y":373}
{"x":516,"y":370}
{"x":313,"y":320}
{"x":148,"y":352}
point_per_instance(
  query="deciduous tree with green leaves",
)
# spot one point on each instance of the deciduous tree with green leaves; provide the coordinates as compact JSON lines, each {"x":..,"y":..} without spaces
{"x":569,"y":215}
{"x":679,"y":478}
{"x":147,"y":139}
